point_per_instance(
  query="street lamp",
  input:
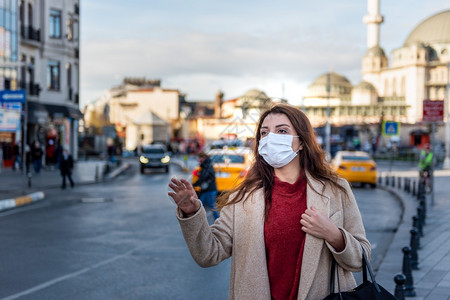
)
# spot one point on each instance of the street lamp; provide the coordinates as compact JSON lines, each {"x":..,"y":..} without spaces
{"x":327,"y":126}
{"x":447,"y":122}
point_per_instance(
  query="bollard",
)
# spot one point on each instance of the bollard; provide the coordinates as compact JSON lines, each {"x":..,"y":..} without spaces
{"x":380,"y":179}
{"x":96,"y":173}
{"x":386,"y":180}
{"x":393,"y":181}
{"x":423,"y":204}
{"x":399,"y":183}
{"x":420,"y":220}
{"x":414,"y":188}
{"x":406,"y":269}
{"x":400,"y":288}
{"x":421,"y":190}
{"x":413,"y":245}
{"x":418,"y":226}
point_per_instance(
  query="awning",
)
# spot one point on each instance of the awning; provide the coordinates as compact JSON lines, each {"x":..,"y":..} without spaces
{"x":56,"y":111}
{"x":37,"y":113}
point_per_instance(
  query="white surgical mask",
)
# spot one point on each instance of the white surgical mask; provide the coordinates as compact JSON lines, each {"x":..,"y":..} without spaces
{"x":276,"y":149}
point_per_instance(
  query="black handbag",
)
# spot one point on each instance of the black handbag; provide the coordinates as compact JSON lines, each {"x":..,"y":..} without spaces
{"x":368,"y":290}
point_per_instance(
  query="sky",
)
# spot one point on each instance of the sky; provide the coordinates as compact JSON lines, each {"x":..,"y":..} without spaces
{"x":202,"y":46}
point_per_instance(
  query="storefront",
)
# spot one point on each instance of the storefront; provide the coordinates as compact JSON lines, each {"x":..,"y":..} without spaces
{"x":11,"y":112}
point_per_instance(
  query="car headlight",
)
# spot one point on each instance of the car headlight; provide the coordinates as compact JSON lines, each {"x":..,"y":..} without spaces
{"x":143,"y":159}
{"x":165,"y":159}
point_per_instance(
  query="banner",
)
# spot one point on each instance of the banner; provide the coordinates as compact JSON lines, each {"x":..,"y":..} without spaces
{"x":9,"y":120}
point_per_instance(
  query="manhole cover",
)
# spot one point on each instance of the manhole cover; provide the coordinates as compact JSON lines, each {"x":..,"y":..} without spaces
{"x":95,"y":200}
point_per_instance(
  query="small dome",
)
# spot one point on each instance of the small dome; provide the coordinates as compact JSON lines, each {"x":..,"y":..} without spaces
{"x":364,"y":85}
{"x":335,"y":79}
{"x":255,"y":94}
{"x":435,"y":29}
{"x":376,"y":51}
{"x":339,"y":85}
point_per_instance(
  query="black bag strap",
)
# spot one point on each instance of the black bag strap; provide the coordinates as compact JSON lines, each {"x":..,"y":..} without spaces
{"x":365,"y":266}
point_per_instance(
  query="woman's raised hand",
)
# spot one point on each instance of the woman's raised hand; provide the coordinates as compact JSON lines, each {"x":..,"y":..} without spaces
{"x":184,"y":196}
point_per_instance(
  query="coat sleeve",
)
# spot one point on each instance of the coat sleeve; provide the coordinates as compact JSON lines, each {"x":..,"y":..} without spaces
{"x":208,"y":245}
{"x":354,"y":235}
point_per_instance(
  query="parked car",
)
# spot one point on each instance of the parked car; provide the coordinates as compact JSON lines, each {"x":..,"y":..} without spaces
{"x":154,"y":156}
{"x":356,"y":166}
{"x":231,"y":166}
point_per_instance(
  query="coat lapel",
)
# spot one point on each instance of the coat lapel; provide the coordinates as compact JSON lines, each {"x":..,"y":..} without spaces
{"x":313,"y":246}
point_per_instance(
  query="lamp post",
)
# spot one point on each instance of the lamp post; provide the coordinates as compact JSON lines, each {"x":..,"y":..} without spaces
{"x":327,"y":126}
{"x":447,"y":121}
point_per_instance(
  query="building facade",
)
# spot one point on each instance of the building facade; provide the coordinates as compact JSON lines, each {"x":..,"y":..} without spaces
{"x":391,"y":89}
{"x":50,"y":71}
{"x":140,"y":110}
{"x":10,"y":110}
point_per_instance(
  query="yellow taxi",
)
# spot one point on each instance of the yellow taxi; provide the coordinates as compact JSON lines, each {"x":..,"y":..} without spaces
{"x":231,"y":166}
{"x":356,"y":166}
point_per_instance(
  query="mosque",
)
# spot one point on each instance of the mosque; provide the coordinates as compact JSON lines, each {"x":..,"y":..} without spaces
{"x":390,"y":90}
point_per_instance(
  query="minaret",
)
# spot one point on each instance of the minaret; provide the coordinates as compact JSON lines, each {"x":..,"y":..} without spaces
{"x":373,"y":21}
{"x":375,"y":59}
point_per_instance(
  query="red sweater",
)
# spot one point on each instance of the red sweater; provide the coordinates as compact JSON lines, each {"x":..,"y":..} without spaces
{"x":284,"y":237}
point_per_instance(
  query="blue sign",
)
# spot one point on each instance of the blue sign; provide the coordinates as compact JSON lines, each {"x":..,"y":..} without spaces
{"x":391,"y":128}
{"x":12,"y":96}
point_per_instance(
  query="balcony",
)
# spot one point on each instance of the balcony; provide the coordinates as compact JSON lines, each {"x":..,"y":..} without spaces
{"x":31,"y":88}
{"x":29,"y":33}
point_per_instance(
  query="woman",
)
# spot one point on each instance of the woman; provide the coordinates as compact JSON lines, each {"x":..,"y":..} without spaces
{"x":284,"y":222}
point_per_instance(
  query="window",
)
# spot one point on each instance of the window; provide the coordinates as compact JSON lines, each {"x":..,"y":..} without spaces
{"x":53,"y":75}
{"x":55,"y":23}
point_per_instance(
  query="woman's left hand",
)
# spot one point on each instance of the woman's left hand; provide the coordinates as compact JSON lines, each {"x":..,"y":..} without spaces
{"x":320,"y":226}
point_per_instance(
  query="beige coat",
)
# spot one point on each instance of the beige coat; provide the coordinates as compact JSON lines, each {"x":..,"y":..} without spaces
{"x":239,"y":232}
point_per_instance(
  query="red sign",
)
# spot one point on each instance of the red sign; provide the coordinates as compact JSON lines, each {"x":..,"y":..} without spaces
{"x":433,"y":111}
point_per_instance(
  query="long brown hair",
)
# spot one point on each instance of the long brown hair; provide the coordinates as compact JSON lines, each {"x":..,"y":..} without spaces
{"x":261,"y":174}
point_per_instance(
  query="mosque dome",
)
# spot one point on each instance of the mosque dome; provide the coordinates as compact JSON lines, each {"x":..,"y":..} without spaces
{"x":335,"y":80}
{"x":365,"y":86}
{"x":435,"y":29}
{"x":255,"y":94}
{"x":339,"y":85}
{"x":375,"y":51}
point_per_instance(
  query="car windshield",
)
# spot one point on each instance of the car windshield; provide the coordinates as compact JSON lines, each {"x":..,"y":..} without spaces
{"x":225,"y":158}
{"x":362,"y":158}
{"x":153,"y":151}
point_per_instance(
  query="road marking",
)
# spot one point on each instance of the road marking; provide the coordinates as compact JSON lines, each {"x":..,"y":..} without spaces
{"x":71,"y":275}
{"x":96,"y":200}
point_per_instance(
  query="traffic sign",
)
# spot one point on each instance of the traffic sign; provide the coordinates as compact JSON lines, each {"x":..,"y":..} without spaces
{"x":433,"y":111}
{"x":391,"y":128}
{"x":12,"y":96}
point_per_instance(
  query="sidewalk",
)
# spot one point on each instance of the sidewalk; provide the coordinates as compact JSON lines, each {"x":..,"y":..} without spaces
{"x":432,"y":280}
{"x":18,"y":189}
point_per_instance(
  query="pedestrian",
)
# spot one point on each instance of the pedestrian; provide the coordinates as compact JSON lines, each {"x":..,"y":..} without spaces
{"x":66,"y":167}
{"x":425,"y":160}
{"x":207,"y":183}
{"x":36,"y":155}
{"x":286,"y":220}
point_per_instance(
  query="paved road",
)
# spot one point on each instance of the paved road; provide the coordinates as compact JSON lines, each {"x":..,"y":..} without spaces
{"x":121,"y":240}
